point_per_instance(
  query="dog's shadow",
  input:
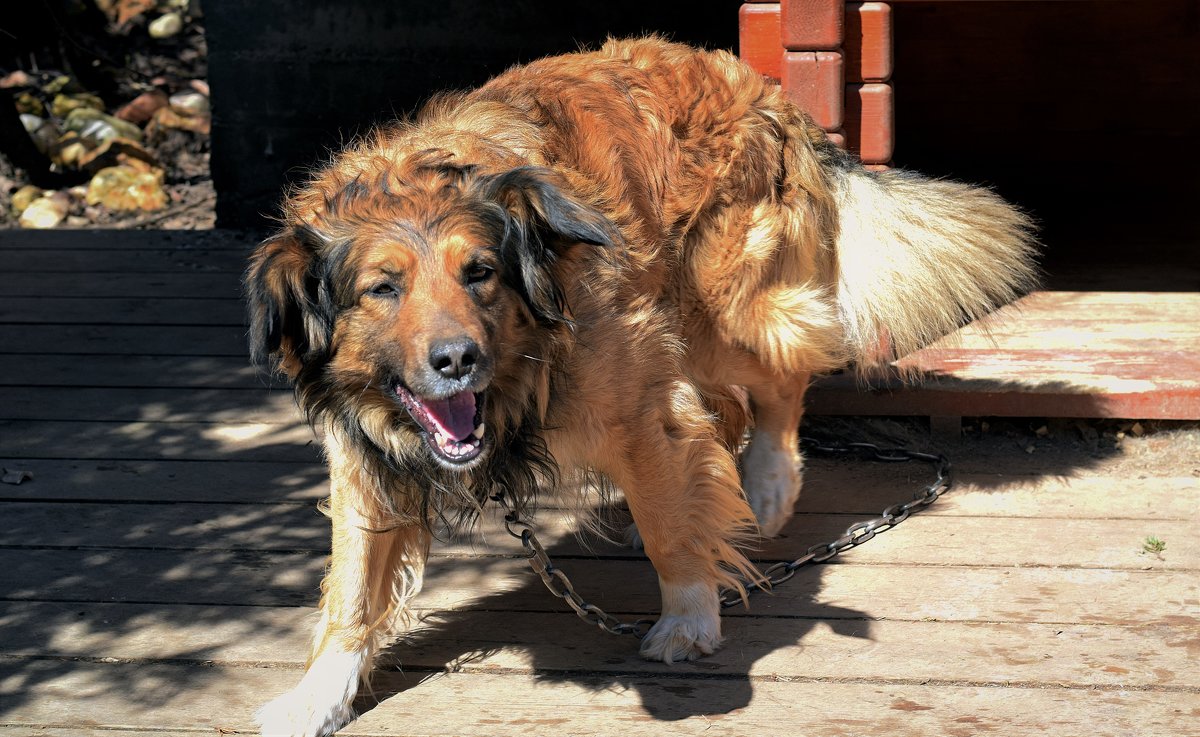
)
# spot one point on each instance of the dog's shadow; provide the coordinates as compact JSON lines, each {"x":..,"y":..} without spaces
{"x":560,"y":649}
{"x":526,"y":627}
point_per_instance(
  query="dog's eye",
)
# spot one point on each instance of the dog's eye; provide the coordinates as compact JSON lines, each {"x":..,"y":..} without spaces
{"x":383,"y":290}
{"x":479,"y":273}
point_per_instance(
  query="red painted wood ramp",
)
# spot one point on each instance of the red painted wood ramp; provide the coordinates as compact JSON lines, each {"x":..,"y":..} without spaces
{"x":1051,"y":354}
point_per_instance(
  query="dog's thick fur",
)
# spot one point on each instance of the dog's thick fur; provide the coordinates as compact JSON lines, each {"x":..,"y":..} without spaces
{"x":598,"y":254}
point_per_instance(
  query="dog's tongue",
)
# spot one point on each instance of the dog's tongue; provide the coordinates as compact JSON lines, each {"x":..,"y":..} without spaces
{"x":455,"y":414}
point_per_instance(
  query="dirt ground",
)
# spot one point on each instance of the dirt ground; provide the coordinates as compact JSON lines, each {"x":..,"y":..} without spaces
{"x":113,"y":57}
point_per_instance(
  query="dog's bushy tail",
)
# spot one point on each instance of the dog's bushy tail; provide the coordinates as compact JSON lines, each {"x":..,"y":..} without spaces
{"x":917,"y":258}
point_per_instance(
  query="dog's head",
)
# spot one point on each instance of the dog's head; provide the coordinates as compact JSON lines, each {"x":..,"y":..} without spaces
{"x":410,"y":299}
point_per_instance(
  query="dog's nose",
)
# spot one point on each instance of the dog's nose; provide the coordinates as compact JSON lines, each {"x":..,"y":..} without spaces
{"x":454,"y":358}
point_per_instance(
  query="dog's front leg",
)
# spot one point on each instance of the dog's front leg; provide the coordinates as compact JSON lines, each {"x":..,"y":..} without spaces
{"x":682,"y":487}
{"x":376,"y":568}
{"x":772,"y":463}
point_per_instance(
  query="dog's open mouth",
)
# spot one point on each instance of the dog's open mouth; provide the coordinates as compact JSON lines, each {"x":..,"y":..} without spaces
{"x":453,"y":426}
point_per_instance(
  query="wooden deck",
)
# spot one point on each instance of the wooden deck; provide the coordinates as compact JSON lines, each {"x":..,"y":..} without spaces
{"x":159,"y":572}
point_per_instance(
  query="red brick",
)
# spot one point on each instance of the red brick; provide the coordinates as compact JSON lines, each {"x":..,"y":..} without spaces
{"x":870,"y":121}
{"x":815,"y":80}
{"x":759,"y":41}
{"x":868,"y":43}
{"x":813,"y":25}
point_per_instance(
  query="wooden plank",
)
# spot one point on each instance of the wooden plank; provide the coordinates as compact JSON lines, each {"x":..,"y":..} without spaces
{"x":165,"y":260}
{"x":1103,"y":308}
{"x":813,"y":25}
{"x":870,"y":121}
{"x":106,"y":241}
{"x":178,"y":526}
{"x":759,"y":42}
{"x":1081,"y":369}
{"x":869,"y":489}
{"x":1065,"y":354}
{"x":119,"y":310}
{"x":927,"y":540}
{"x":868,"y":46}
{"x":252,"y":579}
{"x":52,"y":284}
{"x":179,"y":371}
{"x":242,"y":577}
{"x":814,"y":81}
{"x":858,"y":489}
{"x":158,"y":440}
{"x":1124,"y":337}
{"x":932,"y":540}
{"x":1079,"y":655}
{"x":121,"y":340}
{"x":82,"y":731}
{"x":166,"y":697}
{"x":111,"y":404}
{"x":1029,"y":383}
{"x":215,"y":482}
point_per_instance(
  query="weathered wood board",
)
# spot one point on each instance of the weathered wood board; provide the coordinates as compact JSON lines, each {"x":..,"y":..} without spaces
{"x":159,"y":572}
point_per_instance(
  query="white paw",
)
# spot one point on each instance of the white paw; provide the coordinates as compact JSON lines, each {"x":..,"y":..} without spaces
{"x":301,"y":714}
{"x":690,"y":625}
{"x":771,"y":478}
{"x":673,"y":639}
{"x":320,"y":704}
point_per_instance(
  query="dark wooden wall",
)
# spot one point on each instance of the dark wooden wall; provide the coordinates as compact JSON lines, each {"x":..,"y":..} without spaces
{"x":1087,"y":113}
{"x":293,"y":78}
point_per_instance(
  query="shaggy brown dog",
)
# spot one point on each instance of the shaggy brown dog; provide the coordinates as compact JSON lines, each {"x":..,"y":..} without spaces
{"x":571,"y":268}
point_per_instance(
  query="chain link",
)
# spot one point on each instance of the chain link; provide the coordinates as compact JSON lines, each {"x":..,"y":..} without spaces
{"x":559,"y":584}
{"x":860,"y":532}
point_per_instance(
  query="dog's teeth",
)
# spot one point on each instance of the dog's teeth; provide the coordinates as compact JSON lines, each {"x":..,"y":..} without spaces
{"x":478,"y":432}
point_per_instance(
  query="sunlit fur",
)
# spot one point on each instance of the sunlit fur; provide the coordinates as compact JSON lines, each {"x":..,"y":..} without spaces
{"x":675,"y":248}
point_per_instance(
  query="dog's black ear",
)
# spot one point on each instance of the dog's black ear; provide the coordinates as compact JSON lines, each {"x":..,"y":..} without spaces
{"x":537,"y":196}
{"x":543,"y":225}
{"x":285,"y":300}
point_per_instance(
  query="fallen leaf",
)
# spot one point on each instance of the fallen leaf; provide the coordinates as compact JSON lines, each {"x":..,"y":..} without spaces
{"x":15,"y":477}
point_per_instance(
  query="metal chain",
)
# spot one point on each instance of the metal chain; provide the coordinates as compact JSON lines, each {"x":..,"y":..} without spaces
{"x":558,"y":583}
{"x":860,"y":532}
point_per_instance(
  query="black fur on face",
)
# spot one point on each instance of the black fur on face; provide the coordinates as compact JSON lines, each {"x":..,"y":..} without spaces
{"x":542,"y":224}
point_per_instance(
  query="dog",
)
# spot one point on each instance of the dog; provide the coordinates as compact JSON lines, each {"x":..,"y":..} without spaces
{"x":621,"y":261}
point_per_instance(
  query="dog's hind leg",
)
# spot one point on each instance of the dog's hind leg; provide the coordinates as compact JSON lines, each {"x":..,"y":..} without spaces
{"x":771,"y":463}
{"x":681,"y":485}
{"x":375,"y":570}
